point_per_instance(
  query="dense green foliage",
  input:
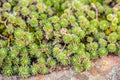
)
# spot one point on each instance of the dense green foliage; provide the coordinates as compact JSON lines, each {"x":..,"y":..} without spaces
{"x":37,"y":35}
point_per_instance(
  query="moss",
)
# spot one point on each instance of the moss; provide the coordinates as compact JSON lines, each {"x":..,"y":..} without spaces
{"x":37,"y":35}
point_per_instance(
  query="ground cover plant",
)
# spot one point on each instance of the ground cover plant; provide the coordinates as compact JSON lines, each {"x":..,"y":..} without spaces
{"x":37,"y":35}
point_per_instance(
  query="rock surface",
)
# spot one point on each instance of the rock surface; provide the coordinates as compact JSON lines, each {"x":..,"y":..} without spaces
{"x":106,"y":68}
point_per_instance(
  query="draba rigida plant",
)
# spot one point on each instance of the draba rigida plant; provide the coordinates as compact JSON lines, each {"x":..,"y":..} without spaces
{"x":38,"y":35}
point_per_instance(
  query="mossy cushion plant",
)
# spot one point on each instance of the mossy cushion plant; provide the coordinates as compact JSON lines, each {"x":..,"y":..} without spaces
{"x":38,"y":35}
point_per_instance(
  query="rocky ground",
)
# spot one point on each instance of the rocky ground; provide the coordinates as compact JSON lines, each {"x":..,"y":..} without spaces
{"x":107,"y":68}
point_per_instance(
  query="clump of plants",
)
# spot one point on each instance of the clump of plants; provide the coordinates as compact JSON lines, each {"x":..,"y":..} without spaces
{"x":37,"y":35}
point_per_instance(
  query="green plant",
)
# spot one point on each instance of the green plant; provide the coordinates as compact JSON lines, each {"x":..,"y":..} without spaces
{"x":24,"y":71}
{"x":37,"y":35}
